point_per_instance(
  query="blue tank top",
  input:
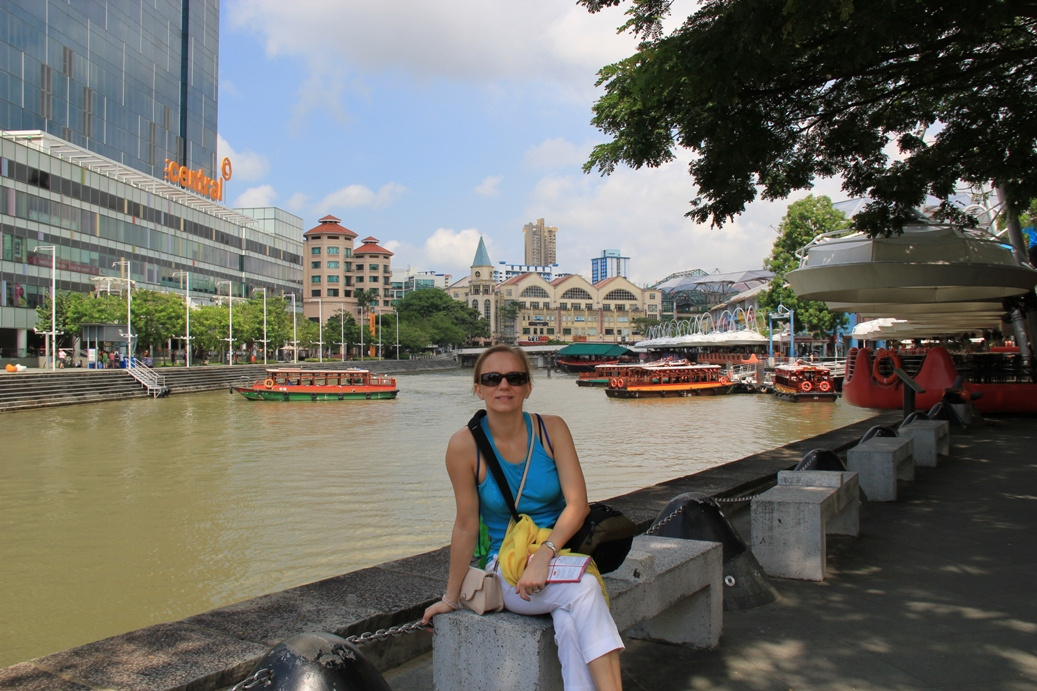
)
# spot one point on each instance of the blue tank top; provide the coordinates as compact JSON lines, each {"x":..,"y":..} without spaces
{"x":542,"y":497}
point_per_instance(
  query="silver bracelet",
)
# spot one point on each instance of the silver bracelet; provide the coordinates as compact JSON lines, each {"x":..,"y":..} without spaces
{"x":452,"y":604}
{"x":551,"y":546}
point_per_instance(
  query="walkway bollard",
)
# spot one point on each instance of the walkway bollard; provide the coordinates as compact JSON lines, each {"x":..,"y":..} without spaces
{"x":697,"y":517}
{"x":821,"y":459}
{"x":314,"y":662}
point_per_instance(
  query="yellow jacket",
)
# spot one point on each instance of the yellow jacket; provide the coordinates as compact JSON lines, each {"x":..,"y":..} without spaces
{"x":520,"y":542}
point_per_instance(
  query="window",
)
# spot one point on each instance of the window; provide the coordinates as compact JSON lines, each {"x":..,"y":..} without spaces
{"x":315,"y":250}
{"x":331,"y":265}
{"x":372,"y":267}
{"x":333,"y":250}
{"x":589,"y":306}
{"x":576,"y":294}
{"x":314,"y":265}
{"x":535,"y":292}
{"x":563,"y":305}
{"x":314,"y":279}
{"x":534,"y":305}
{"x":332,"y":292}
{"x":347,"y":266}
{"x":620,"y":294}
{"x":359,"y":279}
{"x":332,"y":278}
{"x":315,"y":293}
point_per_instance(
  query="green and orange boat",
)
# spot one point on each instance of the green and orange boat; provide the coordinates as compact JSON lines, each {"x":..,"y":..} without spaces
{"x":287,"y":384}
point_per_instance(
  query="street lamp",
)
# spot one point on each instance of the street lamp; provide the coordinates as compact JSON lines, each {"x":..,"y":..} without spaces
{"x":230,"y":320}
{"x":295,"y":334}
{"x":186,"y":275}
{"x":125,"y":263}
{"x":320,"y":331}
{"x":361,"y":333}
{"x":264,"y":341}
{"x":379,"y":335}
{"x":52,"y":337}
{"x":783,"y":312}
{"x":342,"y":334}
{"x":397,"y":333}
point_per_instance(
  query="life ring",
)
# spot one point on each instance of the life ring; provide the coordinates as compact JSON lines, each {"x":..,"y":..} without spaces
{"x":879,"y":357}
{"x":620,"y":383}
{"x":805,"y":386}
{"x":269,"y":383}
{"x":824,"y":386}
{"x":614,"y":383}
{"x":725,"y":380}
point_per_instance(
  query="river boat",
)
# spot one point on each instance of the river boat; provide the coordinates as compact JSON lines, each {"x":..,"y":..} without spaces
{"x":584,"y":357}
{"x":603,"y":374}
{"x":804,"y":382}
{"x":289,"y":384}
{"x":666,"y":380}
{"x":995,"y":382}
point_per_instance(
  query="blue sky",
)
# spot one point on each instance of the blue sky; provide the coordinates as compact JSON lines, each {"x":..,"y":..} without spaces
{"x":430,"y":124}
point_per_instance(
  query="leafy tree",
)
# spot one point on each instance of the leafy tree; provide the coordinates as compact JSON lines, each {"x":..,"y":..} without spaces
{"x":770,"y":94}
{"x":804,"y":220}
{"x":208,"y":326}
{"x":444,"y":320}
{"x":156,"y":317}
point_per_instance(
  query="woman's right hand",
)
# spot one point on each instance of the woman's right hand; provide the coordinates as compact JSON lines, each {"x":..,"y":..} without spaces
{"x":435,"y":608}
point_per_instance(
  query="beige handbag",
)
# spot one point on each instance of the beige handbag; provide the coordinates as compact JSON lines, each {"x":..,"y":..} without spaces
{"x":481,"y":591}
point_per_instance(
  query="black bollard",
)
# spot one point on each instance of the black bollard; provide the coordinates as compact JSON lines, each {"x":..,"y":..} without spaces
{"x":821,"y":459}
{"x":745,"y":583}
{"x":315,"y":662}
{"x":878,"y":431}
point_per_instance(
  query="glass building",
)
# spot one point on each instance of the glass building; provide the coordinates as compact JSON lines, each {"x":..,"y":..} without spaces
{"x":133,"y":82}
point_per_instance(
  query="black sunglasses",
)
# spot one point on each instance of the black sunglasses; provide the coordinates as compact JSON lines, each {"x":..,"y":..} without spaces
{"x":494,"y":378}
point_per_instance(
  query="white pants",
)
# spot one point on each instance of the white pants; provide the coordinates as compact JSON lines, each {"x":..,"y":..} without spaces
{"x":584,"y":629}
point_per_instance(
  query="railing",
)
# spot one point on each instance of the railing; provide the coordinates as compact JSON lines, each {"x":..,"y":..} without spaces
{"x":154,"y":382}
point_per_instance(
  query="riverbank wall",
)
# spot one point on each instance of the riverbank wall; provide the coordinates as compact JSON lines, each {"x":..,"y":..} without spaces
{"x":45,"y":388}
{"x":216,"y":649}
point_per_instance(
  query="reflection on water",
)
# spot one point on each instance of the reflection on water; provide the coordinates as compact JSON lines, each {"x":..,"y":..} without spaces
{"x":119,"y":515}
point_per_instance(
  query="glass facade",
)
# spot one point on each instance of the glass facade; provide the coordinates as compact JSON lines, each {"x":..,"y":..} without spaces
{"x":133,"y":82}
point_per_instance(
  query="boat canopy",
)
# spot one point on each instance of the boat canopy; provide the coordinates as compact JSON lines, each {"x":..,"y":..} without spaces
{"x":595,"y":349}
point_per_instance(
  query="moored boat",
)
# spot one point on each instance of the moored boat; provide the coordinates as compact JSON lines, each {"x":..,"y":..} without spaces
{"x":290,"y":384}
{"x":666,"y":380}
{"x":603,"y":374}
{"x":995,"y":382}
{"x":803,"y":382}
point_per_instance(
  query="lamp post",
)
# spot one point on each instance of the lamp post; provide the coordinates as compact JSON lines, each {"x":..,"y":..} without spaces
{"x":397,"y":312}
{"x":186,"y":275}
{"x":379,"y":335}
{"x":52,"y":336}
{"x":342,"y":334}
{"x":264,"y":341}
{"x":230,"y":320}
{"x":129,"y":301}
{"x":783,"y":312}
{"x":295,"y":334}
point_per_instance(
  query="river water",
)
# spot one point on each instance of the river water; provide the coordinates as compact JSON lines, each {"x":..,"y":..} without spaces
{"x":115,"y":516}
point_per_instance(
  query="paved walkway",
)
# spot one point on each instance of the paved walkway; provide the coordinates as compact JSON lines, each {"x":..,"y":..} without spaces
{"x":938,"y":592}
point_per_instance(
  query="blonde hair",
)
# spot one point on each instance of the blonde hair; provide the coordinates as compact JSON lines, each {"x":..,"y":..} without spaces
{"x":502,"y":348}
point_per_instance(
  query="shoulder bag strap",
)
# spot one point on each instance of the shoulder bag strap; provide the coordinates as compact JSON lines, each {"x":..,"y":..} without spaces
{"x":475,"y":426}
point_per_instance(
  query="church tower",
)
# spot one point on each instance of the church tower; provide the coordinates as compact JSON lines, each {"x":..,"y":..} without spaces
{"x":482,"y":294}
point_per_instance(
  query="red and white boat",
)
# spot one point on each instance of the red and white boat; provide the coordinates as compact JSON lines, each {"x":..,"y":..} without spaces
{"x":803,"y":382}
{"x":994,"y":381}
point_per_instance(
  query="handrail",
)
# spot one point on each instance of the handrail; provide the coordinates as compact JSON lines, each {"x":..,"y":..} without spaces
{"x":154,"y":382}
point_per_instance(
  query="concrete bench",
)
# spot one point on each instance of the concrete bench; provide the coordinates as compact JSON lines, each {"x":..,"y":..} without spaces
{"x":880,"y":462}
{"x":668,"y":589}
{"x":932,"y":439}
{"x":790,"y":522}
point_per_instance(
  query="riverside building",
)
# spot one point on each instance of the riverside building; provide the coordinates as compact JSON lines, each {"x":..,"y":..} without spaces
{"x":103,"y":219}
{"x":108,"y":170}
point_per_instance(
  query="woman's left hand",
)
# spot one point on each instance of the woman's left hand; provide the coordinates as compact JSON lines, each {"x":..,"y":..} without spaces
{"x":534,"y":576}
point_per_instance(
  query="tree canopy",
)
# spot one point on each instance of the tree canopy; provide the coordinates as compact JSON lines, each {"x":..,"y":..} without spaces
{"x":804,"y":220}
{"x":771,"y":94}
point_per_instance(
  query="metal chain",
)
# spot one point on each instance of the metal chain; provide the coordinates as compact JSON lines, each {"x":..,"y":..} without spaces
{"x":260,"y":676}
{"x":392,"y":631}
{"x":735,"y":500}
{"x":655,"y":528}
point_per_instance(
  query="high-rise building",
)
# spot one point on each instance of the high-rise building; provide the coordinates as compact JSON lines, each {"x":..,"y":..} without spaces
{"x":108,"y":167}
{"x":540,"y":243}
{"x":133,"y":82}
{"x":609,"y":264}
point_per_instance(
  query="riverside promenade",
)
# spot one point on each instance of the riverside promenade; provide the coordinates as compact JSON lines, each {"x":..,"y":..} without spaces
{"x":935,"y":593}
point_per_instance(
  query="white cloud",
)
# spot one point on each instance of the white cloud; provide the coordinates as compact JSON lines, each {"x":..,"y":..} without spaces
{"x":247,"y":165}
{"x":261,"y":196}
{"x":353,"y":196}
{"x":451,"y":251}
{"x":489,"y":187}
{"x":556,"y":153}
